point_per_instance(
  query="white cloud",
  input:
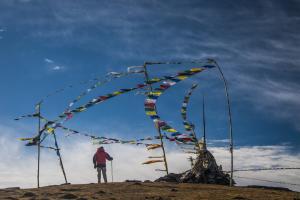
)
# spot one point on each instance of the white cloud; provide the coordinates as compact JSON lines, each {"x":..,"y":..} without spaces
{"x":1,"y":30}
{"x":52,"y":65}
{"x":47,"y":60}
{"x":57,"y":67}
{"x":18,"y":163}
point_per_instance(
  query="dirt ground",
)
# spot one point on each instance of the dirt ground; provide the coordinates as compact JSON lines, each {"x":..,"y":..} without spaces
{"x":148,"y":191}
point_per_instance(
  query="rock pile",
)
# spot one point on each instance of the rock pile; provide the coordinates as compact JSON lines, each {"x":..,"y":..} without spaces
{"x":205,"y":170}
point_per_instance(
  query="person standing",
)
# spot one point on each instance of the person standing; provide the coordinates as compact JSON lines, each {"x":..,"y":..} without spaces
{"x":99,"y":160}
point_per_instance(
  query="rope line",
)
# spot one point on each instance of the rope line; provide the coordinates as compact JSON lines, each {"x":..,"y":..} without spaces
{"x":267,"y":169}
{"x":257,"y":179}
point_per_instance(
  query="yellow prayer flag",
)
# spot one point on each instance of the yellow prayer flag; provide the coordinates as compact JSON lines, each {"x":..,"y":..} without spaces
{"x":182,"y":77}
{"x":25,"y":139}
{"x":151,"y":113}
{"x":155,"y":79}
{"x":82,"y":109}
{"x":196,"y":69}
{"x":171,"y":130}
{"x":157,"y":93}
{"x":50,"y":130}
{"x":117,"y":93}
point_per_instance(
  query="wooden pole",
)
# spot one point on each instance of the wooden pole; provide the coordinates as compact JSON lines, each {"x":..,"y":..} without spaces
{"x":163,"y":148}
{"x":204,"y":123}
{"x":230,"y":123}
{"x":39,"y":144}
{"x":59,"y":156}
{"x":156,"y":125}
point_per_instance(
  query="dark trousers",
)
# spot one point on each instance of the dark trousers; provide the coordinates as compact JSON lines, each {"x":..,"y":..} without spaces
{"x":103,"y":169}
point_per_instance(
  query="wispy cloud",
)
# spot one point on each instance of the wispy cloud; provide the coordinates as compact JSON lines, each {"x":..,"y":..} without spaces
{"x":273,"y":94}
{"x":57,"y":67}
{"x":2,"y":30}
{"x":53,"y":66}
{"x":48,"y":60}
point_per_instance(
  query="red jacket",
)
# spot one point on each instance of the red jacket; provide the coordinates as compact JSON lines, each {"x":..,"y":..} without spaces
{"x":100,"y":158}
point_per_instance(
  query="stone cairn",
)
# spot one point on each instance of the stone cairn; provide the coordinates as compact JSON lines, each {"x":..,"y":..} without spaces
{"x":205,"y":170}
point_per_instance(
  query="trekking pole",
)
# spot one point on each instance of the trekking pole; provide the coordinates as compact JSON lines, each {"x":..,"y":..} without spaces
{"x":112,"y":171}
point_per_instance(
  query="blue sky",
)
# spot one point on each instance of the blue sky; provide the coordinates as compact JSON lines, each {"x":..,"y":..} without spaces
{"x":46,"y":45}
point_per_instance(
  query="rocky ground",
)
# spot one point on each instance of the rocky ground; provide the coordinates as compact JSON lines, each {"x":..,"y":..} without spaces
{"x":150,"y":191}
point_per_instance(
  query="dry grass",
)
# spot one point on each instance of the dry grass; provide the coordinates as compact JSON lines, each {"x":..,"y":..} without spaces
{"x":149,"y":191}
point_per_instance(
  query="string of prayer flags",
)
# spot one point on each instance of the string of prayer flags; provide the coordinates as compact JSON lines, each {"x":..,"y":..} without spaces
{"x":98,"y":139}
{"x":109,"y":77}
{"x":65,"y":88}
{"x":114,"y":141}
{"x":36,"y":114}
{"x":53,"y":148}
{"x":136,"y":69}
{"x":187,"y":125}
{"x":150,"y":103}
{"x":69,"y":113}
{"x":152,"y":161}
{"x":100,"y":99}
{"x":210,"y":63}
{"x":153,"y":146}
{"x":27,"y":116}
{"x":106,"y":140}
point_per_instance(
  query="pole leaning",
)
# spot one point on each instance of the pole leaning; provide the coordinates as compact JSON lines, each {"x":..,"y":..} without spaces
{"x":60,"y":159}
{"x":156,"y":126}
{"x":230,"y":124}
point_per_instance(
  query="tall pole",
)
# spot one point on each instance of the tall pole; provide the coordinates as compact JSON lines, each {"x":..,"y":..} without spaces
{"x":204,"y":123}
{"x":163,"y":148}
{"x":230,"y":123}
{"x":156,"y":125}
{"x":59,"y":156}
{"x":39,"y":143}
